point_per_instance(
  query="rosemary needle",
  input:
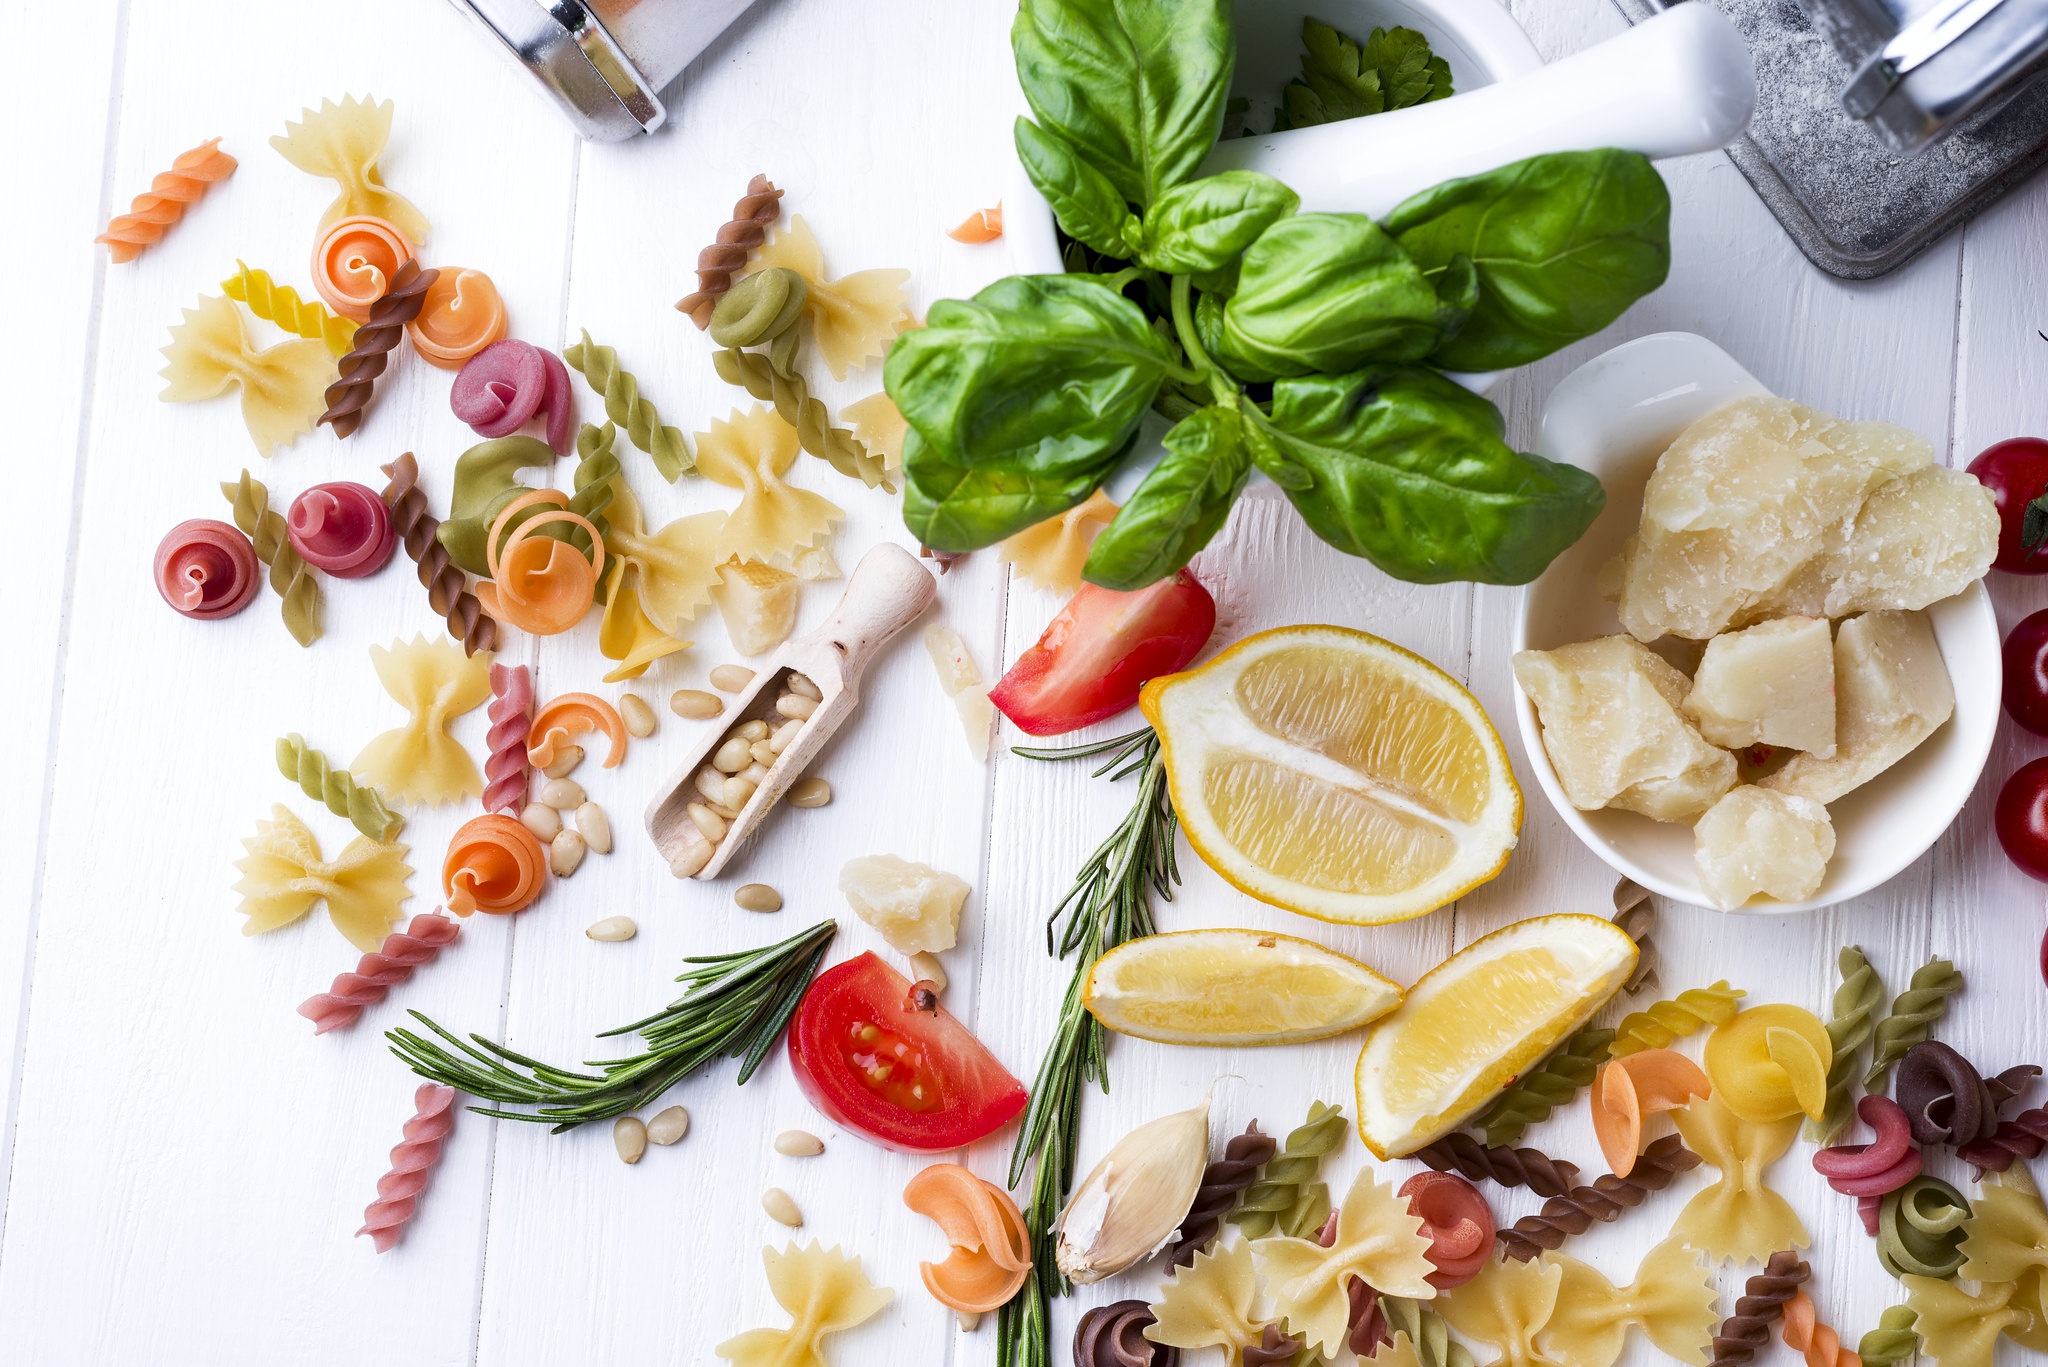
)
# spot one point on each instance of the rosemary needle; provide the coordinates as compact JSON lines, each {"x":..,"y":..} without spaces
{"x":736,"y":1004}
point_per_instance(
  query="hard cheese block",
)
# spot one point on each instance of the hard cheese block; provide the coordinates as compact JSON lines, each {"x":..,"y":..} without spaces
{"x":1891,"y":691}
{"x":1758,"y":841}
{"x":1770,"y":684}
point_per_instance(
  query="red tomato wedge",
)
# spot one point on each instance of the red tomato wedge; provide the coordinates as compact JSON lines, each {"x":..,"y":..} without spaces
{"x":907,"y":1078}
{"x":1100,"y":650}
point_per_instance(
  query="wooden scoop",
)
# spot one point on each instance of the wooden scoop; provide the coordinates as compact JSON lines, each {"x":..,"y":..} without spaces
{"x":888,"y":591}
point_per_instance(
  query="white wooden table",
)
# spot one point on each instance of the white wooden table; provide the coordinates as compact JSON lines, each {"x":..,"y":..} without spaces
{"x":185,"y":1164}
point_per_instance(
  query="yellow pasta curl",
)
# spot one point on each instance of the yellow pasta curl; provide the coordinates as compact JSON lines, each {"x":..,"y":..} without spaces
{"x":1657,"y":1025}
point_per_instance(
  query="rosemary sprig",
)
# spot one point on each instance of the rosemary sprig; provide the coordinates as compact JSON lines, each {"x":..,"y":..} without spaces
{"x":736,"y":1004}
{"x":1110,"y":902}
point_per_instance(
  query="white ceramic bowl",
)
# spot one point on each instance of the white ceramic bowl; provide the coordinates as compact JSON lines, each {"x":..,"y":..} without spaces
{"x":1614,"y":416}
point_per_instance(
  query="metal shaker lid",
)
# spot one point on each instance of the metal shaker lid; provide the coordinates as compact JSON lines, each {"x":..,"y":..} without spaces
{"x":605,"y":93}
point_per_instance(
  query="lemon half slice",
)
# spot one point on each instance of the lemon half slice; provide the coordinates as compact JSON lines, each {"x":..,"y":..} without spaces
{"x":1234,"y":987}
{"x":1479,"y":1020}
{"x":1335,"y":774}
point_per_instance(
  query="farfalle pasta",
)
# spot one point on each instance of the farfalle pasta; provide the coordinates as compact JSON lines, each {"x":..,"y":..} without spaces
{"x":853,"y":318}
{"x":880,"y":426}
{"x":1213,"y":1302}
{"x":342,"y":143}
{"x":750,"y":452}
{"x":1637,"y":1085}
{"x":1507,"y":1305}
{"x":1739,"y":1217}
{"x":354,"y":263}
{"x":283,"y":875}
{"x":824,"y":1291}
{"x":419,"y":761}
{"x":1051,"y":553}
{"x":494,"y":864}
{"x":1960,"y":1328}
{"x":1376,"y":1241}
{"x":1673,"y":1300}
{"x":2007,"y":1239}
{"x":991,"y":1248}
{"x":283,"y":387}
{"x":673,"y":569}
{"x":463,"y":313}
{"x":1770,"y":1062}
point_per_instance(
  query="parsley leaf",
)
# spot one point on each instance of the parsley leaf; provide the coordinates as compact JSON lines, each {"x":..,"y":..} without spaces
{"x":1341,"y":79}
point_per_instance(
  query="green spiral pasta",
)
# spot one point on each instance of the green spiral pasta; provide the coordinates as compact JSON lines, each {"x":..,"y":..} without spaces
{"x":1924,"y":1002}
{"x":1921,"y":1228}
{"x":596,"y":467}
{"x":599,"y":366}
{"x":1287,"y":1195}
{"x":298,"y":591}
{"x":1893,"y":1341}
{"x":1857,"y":1002}
{"x":1426,"y":1329}
{"x":1657,"y":1025}
{"x":338,"y":789}
{"x":1550,"y":1084}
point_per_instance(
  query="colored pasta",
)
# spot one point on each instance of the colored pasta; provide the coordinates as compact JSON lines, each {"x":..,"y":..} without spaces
{"x":1739,"y":1217}
{"x":1051,"y":553}
{"x":2006,"y":1240}
{"x":1287,"y":1196}
{"x":1457,"y":1222}
{"x":342,"y":143}
{"x":1804,"y":1334}
{"x":1635,"y":1086}
{"x":342,"y":528}
{"x":1553,"y":1082}
{"x":485,"y":483}
{"x":1635,"y":914}
{"x":193,"y":172}
{"x":377,"y":972}
{"x":824,"y":1291}
{"x":1913,"y":1012}
{"x":283,"y":875}
{"x":1394,"y":1331}
{"x":447,"y":592}
{"x":774,"y":521}
{"x":1746,"y":1332}
{"x":419,"y":761}
{"x":354,"y":263}
{"x":991,"y":1248}
{"x":400,"y":303}
{"x":879,"y":426}
{"x":461,"y":314}
{"x":1531,"y":1168}
{"x":573,"y":714}
{"x":1659,"y":1024}
{"x":1210,"y":1303}
{"x":1943,"y":1095}
{"x":1507,"y":1305}
{"x":852,"y":319}
{"x":1275,"y":1348}
{"x":1113,"y":1335}
{"x":1921,"y":1228}
{"x":509,"y":383}
{"x":1869,"y":1171}
{"x":1377,"y":1241}
{"x":1223,"y":1184}
{"x":983,"y":225}
{"x":281,"y":304}
{"x":736,"y":238}
{"x":1892,"y":1342}
{"x":599,"y":367}
{"x":1958,"y":1328}
{"x":540,"y":584}
{"x":1854,"y":1020}
{"x":210,"y":353}
{"x":511,"y":714}
{"x":399,"y":1190}
{"x":1603,"y":1201}
{"x":625,"y":634}
{"x":1672,"y":1299}
{"x":298,"y":592}
{"x":672,"y":569}
{"x":1770,"y":1062}
{"x":206,"y":569}
{"x":336,"y":789}
{"x":2022,"y":1137}
{"x":494,"y":864}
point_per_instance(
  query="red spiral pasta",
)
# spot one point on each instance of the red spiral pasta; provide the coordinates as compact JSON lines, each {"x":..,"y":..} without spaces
{"x":398,"y":1191}
{"x":206,"y":569}
{"x":509,"y":383}
{"x":511,"y":714}
{"x":1457,"y":1222}
{"x":494,"y":864}
{"x":384,"y":968}
{"x":1869,"y":1171}
{"x":342,"y":528}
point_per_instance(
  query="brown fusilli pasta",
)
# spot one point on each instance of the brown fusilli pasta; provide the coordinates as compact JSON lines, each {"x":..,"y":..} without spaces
{"x":1223,"y":1183}
{"x":1509,"y":1167}
{"x":1762,"y":1304}
{"x":370,"y":349}
{"x":727,"y":255}
{"x":447,"y":591}
{"x":1604,"y":1201}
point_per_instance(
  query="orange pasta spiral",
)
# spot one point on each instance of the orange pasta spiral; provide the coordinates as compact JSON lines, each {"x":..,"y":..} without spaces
{"x":1804,"y":1333}
{"x":539,"y":584}
{"x":152,"y":212}
{"x":569,"y":715}
{"x":494,"y":864}
{"x":463,"y":313}
{"x":353,"y":263}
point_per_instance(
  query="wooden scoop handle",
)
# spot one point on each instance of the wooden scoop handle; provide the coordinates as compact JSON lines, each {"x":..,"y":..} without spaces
{"x":888,"y":591}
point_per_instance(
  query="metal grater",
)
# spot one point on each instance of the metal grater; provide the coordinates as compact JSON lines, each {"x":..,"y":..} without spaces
{"x":1957,"y":115}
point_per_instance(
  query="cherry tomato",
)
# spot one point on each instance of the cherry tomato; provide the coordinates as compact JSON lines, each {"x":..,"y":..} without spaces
{"x":2021,"y":817}
{"x":1100,"y":650}
{"x":2016,"y":473}
{"x":2026,"y":673}
{"x":894,"y":1065}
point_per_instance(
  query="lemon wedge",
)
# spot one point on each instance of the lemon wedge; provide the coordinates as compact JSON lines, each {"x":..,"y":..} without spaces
{"x":1234,"y":987}
{"x":1479,"y":1020}
{"x":1335,"y":774}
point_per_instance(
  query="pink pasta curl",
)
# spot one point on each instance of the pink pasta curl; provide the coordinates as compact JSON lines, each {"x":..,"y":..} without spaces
{"x":398,"y":1191}
{"x":1457,"y":1222}
{"x":511,"y":714}
{"x":1869,"y":1171}
{"x":376,"y":973}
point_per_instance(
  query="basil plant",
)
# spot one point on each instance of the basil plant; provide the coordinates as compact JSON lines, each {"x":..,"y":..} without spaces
{"x":1310,"y":346}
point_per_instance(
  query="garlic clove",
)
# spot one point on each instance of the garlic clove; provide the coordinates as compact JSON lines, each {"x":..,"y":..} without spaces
{"x":1132,"y":1202}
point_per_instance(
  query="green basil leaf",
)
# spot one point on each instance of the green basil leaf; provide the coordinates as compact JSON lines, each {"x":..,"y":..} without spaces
{"x":953,"y":508}
{"x":1136,"y":86}
{"x":1204,"y":225}
{"x":1409,"y":470}
{"x":1042,"y":374}
{"x":1087,"y":206}
{"x":1328,"y":293}
{"x":1562,"y":244}
{"x":1178,"y":507}
{"x":485,"y":481}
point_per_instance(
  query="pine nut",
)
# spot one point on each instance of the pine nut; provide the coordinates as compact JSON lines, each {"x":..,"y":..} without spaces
{"x":638,"y":716}
{"x":757,"y":897}
{"x":710,"y":783}
{"x":755,"y":773}
{"x":731,"y":678}
{"x":732,"y":756}
{"x":799,"y":1144}
{"x":544,"y":821}
{"x":687,"y":863}
{"x":795,"y":705}
{"x":563,"y":794}
{"x":810,"y":792}
{"x":612,"y":929}
{"x":970,"y":1320}
{"x":565,"y":853}
{"x":668,"y":1126}
{"x":780,"y":1207}
{"x":707,"y":821}
{"x":751,"y":731}
{"x":801,"y":685}
{"x":565,"y":761}
{"x":694,"y":704}
{"x":629,"y":1137}
{"x":595,"y":827}
{"x":725,"y":812}
{"x":737,"y":791}
{"x":928,"y":969}
{"x":762,"y":751}
{"x":781,"y":736}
